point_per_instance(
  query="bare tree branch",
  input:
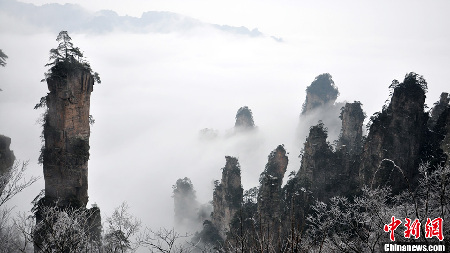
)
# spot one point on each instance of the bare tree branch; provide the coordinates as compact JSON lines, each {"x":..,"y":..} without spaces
{"x":13,"y":181}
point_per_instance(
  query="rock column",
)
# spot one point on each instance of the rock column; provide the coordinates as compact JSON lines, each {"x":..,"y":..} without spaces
{"x":227,"y":196}
{"x":66,"y":133}
{"x":269,"y":197}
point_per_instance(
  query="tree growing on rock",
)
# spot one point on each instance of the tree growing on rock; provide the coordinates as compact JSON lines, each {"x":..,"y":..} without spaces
{"x":67,"y":58}
{"x":66,"y":132}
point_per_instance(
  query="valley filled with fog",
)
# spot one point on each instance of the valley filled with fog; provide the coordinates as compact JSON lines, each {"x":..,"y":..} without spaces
{"x":161,"y":86}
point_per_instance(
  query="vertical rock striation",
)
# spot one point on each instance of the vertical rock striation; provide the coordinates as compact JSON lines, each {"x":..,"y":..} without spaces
{"x":352,"y":117}
{"x":227,"y":197}
{"x":66,"y":133}
{"x":269,"y":195}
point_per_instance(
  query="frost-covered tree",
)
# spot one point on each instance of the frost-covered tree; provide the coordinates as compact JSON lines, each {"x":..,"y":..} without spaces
{"x":62,"y":230}
{"x":120,"y":231}
{"x":13,"y":181}
{"x":357,"y":226}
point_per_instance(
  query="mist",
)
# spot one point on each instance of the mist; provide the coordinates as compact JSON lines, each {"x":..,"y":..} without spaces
{"x":159,"y":90}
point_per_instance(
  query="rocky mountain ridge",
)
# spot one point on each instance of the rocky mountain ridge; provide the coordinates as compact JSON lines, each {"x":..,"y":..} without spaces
{"x":401,"y":137}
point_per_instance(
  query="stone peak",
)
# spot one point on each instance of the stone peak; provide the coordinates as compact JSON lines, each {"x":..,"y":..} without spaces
{"x":244,"y":118}
{"x":321,"y":91}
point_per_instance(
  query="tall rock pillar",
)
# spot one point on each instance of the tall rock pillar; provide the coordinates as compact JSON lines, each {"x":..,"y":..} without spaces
{"x":227,"y":196}
{"x":66,"y":132}
{"x":269,"y":197}
{"x":352,"y":117}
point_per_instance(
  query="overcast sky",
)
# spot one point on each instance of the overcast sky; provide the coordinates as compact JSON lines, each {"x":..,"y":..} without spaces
{"x":160,"y":88}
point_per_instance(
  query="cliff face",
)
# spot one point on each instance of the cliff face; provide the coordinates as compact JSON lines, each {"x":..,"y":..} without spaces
{"x":438,"y":109}
{"x":352,"y":117}
{"x":320,"y":166}
{"x":244,"y":119}
{"x":445,"y":145}
{"x":66,"y":134}
{"x":396,"y":134}
{"x":435,"y":149}
{"x":6,"y":158}
{"x":439,"y":124}
{"x":227,"y":197}
{"x":269,"y":195}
